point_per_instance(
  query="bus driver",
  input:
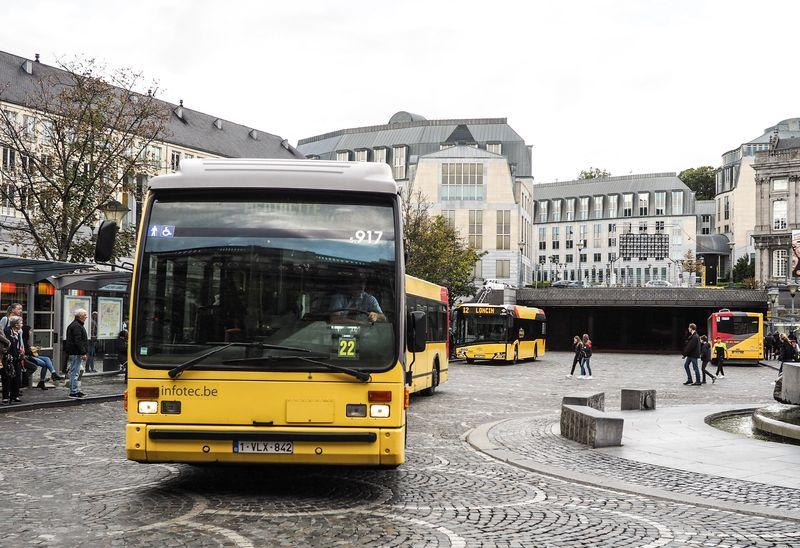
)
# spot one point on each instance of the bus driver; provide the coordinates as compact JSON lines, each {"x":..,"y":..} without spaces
{"x":356,"y":301}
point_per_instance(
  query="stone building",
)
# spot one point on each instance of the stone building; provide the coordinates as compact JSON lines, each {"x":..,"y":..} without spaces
{"x":777,"y":209}
{"x":579,"y":227}
{"x":476,"y":172}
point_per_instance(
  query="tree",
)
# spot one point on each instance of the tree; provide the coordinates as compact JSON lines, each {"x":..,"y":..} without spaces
{"x":743,"y":268}
{"x":434,"y":249}
{"x":85,"y":135}
{"x":701,"y":180}
{"x":593,"y":173}
{"x":690,"y":264}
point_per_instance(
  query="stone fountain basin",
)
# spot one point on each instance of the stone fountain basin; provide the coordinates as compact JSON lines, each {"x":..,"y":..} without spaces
{"x":779,"y":420}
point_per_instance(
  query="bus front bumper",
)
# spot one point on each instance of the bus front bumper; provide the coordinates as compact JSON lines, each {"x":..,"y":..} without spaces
{"x":208,"y":444}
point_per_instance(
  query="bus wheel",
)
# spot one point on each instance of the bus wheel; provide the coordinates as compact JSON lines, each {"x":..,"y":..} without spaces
{"x":516,"y":355}
{"x":470,"y":360}
{"x":430,"y":391}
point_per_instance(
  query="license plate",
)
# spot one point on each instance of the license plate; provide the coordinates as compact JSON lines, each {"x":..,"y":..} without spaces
{"x":269,"y":447}
{"x":479,"y":355}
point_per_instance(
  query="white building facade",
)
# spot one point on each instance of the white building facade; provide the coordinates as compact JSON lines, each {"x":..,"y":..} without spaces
{"x":614,"y":231}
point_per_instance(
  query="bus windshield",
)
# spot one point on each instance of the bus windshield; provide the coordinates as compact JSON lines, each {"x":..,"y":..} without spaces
{"x":481,"y":328}
{"x":267,"y":284}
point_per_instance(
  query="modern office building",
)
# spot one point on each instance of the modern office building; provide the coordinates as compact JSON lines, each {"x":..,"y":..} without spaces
{"x":476,"y":172}
{"x":616,"y":230}
{"x":736,"y":187}
{"x":777,"y":210}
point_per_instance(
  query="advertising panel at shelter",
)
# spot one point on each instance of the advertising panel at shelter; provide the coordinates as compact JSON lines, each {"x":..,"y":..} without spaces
{"x":794,"y":256}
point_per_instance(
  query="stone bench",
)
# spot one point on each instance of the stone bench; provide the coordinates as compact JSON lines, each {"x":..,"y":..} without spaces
{"x":595,"y":400}
{"x":790,"y":383}
{"x":637,"y":400}
{"x":590,"y":427}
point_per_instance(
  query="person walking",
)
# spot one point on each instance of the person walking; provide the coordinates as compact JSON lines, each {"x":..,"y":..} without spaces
{"x":14,"y":361}
{"x":691,"y":353}
{"x":577,"y":348}
{"x":720,"y":352}
{"x":786,"y":351}
{"x":587,"y":355}
{"x":768,"y":346}
{"x":77,"y":348}
{"x":705,"y":357}
{"x":32,"y":356}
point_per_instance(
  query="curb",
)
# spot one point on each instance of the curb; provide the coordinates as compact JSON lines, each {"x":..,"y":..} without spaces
{"x":766,"y":364}
{"x":59,"y":403}
{"x":478,"y":438}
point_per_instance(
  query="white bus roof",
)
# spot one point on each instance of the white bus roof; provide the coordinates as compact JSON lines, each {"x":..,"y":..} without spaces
{"x":280,"y":174}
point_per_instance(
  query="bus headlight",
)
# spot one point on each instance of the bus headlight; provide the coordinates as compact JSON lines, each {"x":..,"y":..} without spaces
{"x":148,"y":407}
{"x":356,"y":410}
{"x":379,"y":411}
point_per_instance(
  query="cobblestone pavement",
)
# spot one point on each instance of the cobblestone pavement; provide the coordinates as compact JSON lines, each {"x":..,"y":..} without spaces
{"x":91,"y":385}
{"x":64,"y":479}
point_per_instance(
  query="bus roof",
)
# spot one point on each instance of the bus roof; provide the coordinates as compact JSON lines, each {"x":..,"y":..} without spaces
{"x":528,"y":312}
{"x":257,"y":173}
{"x":735,"y":313}
{"x":424,"y":288}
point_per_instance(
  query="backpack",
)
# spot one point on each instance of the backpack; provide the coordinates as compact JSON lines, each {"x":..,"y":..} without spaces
{"x":587,"y":349}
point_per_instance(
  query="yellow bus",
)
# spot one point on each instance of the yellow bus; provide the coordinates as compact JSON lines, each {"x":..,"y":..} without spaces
{"x":501,"y":333}
{"x":268,"y":316}
{"x":430,"y":367}
{"x":742,"y":333}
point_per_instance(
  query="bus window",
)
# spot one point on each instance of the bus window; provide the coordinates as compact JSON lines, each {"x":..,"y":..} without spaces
{"x":738,"y":325}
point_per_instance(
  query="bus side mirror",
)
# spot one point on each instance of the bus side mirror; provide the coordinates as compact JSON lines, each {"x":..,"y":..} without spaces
{"x":417,"y":331}
{"x":104,"y":247}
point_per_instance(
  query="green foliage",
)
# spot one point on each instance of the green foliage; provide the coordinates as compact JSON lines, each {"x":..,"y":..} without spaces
{"x":690,"y":264}
{"x":593,"y":173}
{"x":701,"y":180}
{"x":743,"y":269}
{"x":435,"y":251}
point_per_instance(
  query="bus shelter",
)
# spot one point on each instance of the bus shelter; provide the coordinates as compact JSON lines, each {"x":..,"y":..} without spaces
{"x":105,"y":296}
{"x":24,"y":281}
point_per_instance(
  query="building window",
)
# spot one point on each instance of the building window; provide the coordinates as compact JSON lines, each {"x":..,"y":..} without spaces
{"x":475,"y":234}
{"x":503,"y":268}
{"x":727,"y":209}
{"x":705,"y":230}
{"x":462,"y":181}
{"x":582,"y":257}
{"x":343,"y":156}
{"x":677,"y":233}
{"x":677,"y":202}
{"x":659,"y":227}
{"x":478,"y":272}
{"x":598,"y":257}
{"x":612,"y":228}
{"x":556,"y":237}
{"x":612,"y":257}
{"x":644,"y":203}
{"x":613,"y":206}
{"x":643,"y":227}
{"x":495,"y":148}
{"x":379,"y":155}
{"x":627,"y":205}
{"x":28,"y":126}
{"x":779,"y":212}
{"x":503,"y":229}
{"x":779,"y":259}
{"x":597,"y":235}
{"x":543,"y":211}
{"x":556,"y":211}
{"x":542,"y":237}
{"x":584,"y":211}
{"x":449,"y":217}
{"x":569,"y":258}
{"x":583,"y":231}
{"x":612,"y":242}
{"x":361,"y":155}
{"x":780,"y":185}
{"x":661,"y":203}
{"x":175,"y":160}
{"x":399,"y":161}
{"x":9,"y":159}
{"x":570,"y":209}
{"x":569,"y":235}
{"x":598,"y":207}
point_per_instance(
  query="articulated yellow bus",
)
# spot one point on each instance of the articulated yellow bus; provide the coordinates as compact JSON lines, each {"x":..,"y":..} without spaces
{"x":499,"y":332}
{"x":742,"y":333}
{"x":269,"y":321}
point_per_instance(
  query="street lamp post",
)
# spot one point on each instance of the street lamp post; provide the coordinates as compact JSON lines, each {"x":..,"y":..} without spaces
{"x":792,"y":292}
{"x":580,"y":249}
{"x":772,"y":294}
{"x":116,"y":212}
{"x":732,"y":245}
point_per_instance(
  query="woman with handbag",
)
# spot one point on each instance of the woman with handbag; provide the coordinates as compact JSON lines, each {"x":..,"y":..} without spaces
{"x":14,"y":361}
{"x":32,"y":356}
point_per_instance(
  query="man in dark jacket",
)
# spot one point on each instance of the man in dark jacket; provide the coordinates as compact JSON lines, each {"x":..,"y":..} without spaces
{"x":76,"y":345}
{"x":691,"y":352}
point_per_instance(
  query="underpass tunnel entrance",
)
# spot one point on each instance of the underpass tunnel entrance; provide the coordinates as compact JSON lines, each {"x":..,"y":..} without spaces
{"x":656,"y":330}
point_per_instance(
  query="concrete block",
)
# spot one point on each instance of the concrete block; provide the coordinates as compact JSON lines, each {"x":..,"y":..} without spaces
{"x":590,"y":427}
{"x":638,"y":400}
{"x":791,"y":383}
{"x":596,"y":400}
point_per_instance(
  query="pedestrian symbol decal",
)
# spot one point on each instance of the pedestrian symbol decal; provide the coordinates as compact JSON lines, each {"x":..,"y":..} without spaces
{"x":161,"y":231}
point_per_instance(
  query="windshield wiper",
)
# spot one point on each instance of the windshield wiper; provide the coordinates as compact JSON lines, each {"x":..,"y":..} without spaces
{"x":176,"y":371}
{"x":360,"y":375}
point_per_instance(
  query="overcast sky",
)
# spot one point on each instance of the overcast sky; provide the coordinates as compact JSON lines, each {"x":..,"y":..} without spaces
{"x":631,"y":87}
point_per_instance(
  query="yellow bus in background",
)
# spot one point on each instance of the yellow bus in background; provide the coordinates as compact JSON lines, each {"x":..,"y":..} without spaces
{"x":269,"y":321}
{"x":742,"y":333}
{"x":504,"y":333}
{"x":430,"y":367}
